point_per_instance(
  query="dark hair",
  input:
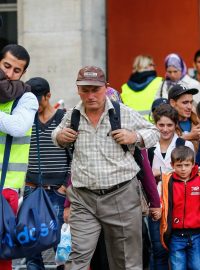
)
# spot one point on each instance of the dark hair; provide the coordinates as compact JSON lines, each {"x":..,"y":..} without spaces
{"x":197,"y":54}
{"x":182,"y":153}
{"x":167,"y":111}
{"x":198,"y":109}
{"x":17,"y":51}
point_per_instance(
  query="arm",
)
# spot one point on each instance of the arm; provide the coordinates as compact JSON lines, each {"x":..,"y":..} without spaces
{"x":148,"y":182}
{"x":10,"y":90}
{"x":22,"y":117}
{"x":63,"y":136}
{"x":147,"y":134}
{"x":150,"y":187}
{"x":67,"y":204}
{"x":135,"y":129}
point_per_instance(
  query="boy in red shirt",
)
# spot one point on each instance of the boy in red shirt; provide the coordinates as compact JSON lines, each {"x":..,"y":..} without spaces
{"x":180,"y":224}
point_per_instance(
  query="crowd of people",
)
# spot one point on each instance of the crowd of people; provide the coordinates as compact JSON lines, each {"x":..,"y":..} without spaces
{"x":91,"y":172}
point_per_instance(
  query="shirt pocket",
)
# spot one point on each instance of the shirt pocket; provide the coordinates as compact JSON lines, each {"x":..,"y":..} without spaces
{"x":110,"y":149}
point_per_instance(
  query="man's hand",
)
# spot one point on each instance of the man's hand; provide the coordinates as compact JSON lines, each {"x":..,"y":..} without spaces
{"x":66,"y":214}
{"x":66,"y":135}
{"x":194,"y":134}
{"x":155,"y":213}
{"x":124,"y":136}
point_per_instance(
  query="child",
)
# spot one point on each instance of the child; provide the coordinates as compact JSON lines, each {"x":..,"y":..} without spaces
{"x":198,"y":152}
{"x":180,"y":223}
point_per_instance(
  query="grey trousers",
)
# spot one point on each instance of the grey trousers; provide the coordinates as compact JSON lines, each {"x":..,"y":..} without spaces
{"x":119,"y":213}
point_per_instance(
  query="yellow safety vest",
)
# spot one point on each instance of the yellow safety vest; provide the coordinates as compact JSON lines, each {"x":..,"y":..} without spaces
{"x":18,"y":161}
{"x":141,"y":101}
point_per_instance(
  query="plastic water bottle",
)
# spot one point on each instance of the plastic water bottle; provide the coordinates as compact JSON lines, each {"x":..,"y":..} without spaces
{"x":64,"y":247}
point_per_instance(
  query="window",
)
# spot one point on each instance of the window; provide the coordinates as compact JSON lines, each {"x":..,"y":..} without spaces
{"x":8,"y":29}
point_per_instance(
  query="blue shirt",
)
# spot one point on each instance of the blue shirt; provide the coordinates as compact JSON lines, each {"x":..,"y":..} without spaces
{"x":185,"y":126}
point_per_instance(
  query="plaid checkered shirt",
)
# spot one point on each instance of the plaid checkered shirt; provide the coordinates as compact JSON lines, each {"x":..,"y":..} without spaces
{"x":98,"y":161}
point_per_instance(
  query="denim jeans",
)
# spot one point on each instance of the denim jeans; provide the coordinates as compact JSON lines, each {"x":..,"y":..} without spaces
{"x":36,"y":262}
{"x":185,"y":252}
{"x":159,"y":256}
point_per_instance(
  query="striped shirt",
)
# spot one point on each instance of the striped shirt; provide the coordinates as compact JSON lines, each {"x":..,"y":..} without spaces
{"x":53,"y":160}
{"x":98,"y":161}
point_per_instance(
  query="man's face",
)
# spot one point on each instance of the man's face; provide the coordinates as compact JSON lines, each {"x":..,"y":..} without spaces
{"x":197,"y":65}
{"x":183,"y":105}
{"x":93,"y":97}
{"x":183,"y":168}
{"x":12,"y":66}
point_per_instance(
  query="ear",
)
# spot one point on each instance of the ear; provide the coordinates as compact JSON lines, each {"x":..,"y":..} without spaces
{"x":172,"y":164}
{"x":194,"y":65}
{"x":172,"y":102}
{"x":23,"y":73}
{"x":48,"y":95}
{"x":193,"y":165}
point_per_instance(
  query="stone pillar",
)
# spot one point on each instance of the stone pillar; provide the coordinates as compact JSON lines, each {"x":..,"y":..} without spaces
{"x":61,"y":37}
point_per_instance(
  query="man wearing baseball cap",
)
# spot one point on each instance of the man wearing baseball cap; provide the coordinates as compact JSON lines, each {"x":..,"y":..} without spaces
{"x":104,"y":191}
{"x":181,"y":98}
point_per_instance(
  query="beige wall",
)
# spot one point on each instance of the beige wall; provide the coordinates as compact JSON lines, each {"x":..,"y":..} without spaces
{"x":61,"y":37}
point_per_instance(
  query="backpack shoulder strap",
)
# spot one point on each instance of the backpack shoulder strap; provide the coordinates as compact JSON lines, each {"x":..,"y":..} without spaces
{"x":180,"y":141}
{"x":115,"y":120}
{"x":151,"y":154}
{"x":59,"y":116}
{"x":114,"y":116}
{"x":75,"y":119}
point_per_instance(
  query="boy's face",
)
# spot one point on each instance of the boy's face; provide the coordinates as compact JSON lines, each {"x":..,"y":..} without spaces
{"x":183,"y":168}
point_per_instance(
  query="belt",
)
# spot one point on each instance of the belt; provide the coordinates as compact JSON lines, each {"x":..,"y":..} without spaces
{"x":108,"y":190}
{"x":48,"y":187}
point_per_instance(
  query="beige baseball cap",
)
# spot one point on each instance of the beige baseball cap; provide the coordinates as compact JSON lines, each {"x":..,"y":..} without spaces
{"x":91,"y":75}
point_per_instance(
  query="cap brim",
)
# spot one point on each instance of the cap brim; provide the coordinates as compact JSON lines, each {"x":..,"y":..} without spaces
{"x":90,"y":83}
{"x":193,"y":91}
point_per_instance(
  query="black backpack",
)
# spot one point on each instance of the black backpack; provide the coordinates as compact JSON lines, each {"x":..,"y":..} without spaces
{"x":115,"y":122}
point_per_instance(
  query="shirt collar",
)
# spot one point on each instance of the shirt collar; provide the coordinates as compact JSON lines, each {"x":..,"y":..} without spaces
{"x":108,"y":106}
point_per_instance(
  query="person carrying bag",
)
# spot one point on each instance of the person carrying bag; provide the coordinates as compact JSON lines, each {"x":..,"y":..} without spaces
{"x":35,"y":228}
